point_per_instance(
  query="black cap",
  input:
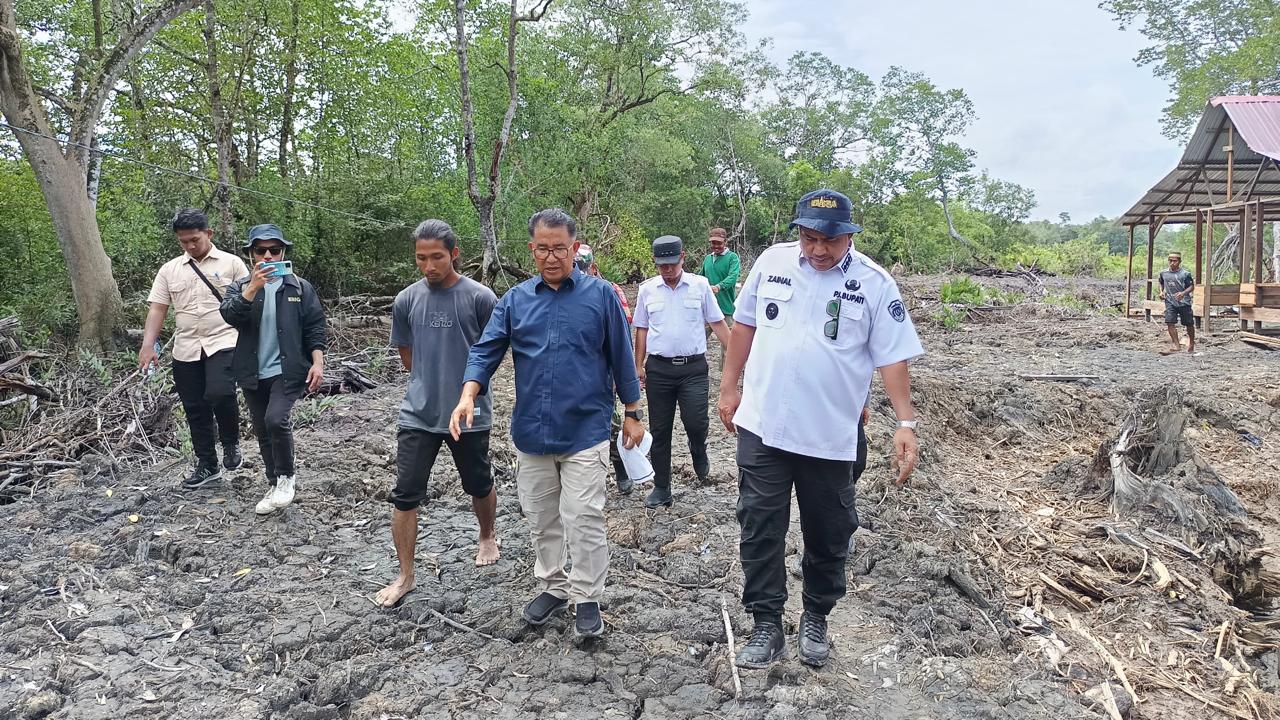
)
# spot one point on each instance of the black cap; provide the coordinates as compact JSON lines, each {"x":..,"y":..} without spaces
{"x":827,"y":212}
{"x":667,"y":250}
{"x":265,"y":232}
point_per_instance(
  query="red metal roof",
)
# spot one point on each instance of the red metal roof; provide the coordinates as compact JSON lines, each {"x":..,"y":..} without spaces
{"x":1257,"y":119}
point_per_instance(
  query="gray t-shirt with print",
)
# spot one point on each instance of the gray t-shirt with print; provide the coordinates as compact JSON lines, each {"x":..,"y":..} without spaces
{"x":1176,"y":282}
{"x":440,"y":325}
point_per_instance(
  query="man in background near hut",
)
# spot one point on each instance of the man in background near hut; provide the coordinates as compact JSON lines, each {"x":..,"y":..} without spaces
{"x":816,"y":319}
{"x":1177,"y":286}
{"x":203,"y":344}
{"x":721,"y":267}
{"x":279,"y":355}
{"x":571,"y":349}
{"x":585,"y":261}
{"x":434,"y":323}
{"x":672,"y":309}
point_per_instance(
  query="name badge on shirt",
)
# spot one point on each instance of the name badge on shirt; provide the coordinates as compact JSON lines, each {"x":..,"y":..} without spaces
{"x":295,"y":299}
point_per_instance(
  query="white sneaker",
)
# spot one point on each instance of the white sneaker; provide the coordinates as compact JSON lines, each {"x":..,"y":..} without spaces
{"x":285,"y":486}
{"x":264,"y":506}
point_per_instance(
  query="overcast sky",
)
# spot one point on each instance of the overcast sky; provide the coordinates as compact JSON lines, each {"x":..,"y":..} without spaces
{"x":1062,"y":108}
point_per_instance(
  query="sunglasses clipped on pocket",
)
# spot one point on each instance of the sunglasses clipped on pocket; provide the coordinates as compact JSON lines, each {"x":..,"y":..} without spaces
{"x":832,"y":327}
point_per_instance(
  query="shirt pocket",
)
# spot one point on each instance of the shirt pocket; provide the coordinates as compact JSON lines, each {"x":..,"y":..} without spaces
{"x":657,"y":311}
{"x":852,"y":330}
{"x":774,"y":305}
{"x":693,"y":310}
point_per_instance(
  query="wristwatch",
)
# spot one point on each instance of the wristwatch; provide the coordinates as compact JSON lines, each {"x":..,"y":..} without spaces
{"x":909,"y":424}
{"x":636,"y":414}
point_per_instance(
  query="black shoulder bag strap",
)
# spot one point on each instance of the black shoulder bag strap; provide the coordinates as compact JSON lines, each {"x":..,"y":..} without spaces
{"x":212,"y":289}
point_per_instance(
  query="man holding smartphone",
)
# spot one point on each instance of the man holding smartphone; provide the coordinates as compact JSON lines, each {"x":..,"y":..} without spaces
{"x":279,"y":355}
{"x":193,"y":284}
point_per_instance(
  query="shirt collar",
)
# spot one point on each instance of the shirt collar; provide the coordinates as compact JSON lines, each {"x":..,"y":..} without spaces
{"x":214,"y":253}
{"x":844,"y":266}
{"x":571,"y":280}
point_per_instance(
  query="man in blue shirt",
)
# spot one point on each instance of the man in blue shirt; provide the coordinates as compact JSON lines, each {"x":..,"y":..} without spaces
{"x":571,"y":347}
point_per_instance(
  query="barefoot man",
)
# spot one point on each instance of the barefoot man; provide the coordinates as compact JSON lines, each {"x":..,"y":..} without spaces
{"x":1176,"y":288}
{"x":434,"y":323}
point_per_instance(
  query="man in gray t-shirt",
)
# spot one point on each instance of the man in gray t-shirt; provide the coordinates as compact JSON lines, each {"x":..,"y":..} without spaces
{"x":434,"y":323}
{"x":1176,"y":287}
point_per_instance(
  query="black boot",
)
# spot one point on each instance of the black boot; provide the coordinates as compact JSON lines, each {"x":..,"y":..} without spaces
{"x":625,"y":483}
{"x":814,"y":646}
{"x":767,"y":644}
{"x":660,"y":496}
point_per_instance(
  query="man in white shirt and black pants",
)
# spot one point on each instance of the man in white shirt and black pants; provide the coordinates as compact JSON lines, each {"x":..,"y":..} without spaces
{"x":672,"y":311}
{"x":814,"y":320}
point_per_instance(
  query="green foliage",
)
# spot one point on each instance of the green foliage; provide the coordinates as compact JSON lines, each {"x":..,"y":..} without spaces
{"x":969,"y":293}
{"x":1205,"y":48}
{"x":949,"y":318}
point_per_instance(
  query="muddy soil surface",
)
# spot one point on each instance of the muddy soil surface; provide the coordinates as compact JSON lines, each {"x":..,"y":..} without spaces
{"x":125,"y":597}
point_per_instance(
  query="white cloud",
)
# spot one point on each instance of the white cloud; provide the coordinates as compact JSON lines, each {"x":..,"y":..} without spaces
{"x":1062,"y":108}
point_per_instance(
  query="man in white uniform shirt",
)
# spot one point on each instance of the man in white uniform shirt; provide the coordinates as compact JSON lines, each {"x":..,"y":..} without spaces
{"x":814,"y":320}
{"x":672,"y":311}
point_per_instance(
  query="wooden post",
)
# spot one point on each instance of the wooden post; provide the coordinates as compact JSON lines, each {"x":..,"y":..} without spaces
{"x":1151,"y":249}
{"x":1246,"y":263}
{"x":1207,"y":307}
{"x":1259,"y":273}
{"x":1231,"y":157}
{"x":1199,"y":275}
{"x":1128,"y":277}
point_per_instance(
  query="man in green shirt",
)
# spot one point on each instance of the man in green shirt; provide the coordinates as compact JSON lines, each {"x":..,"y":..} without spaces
{"x":721,"y":267}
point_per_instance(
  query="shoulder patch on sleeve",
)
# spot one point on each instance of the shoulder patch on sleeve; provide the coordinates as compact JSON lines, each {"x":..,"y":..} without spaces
{"x":897,"y":311}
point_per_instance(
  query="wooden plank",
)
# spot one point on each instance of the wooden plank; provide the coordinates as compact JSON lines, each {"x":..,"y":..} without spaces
{"x":1221,"y":295}
{"x":1266,"y":342}
{"x":1258,"y":275}
{"x":1269,"y":315}
{"x":1245,"y":249}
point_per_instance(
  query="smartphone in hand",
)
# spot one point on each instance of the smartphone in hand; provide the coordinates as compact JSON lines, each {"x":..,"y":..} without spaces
{"x":280,"y":267}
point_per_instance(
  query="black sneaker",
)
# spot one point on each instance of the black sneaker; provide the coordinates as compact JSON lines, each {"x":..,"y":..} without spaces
{"x":231,"y":457}
{"x":201,"y":475}
{"x":543,"y":608}
{"x":814,"y":646}
{"x":659,"y":497}
{"x":588,"y":622}
{"x":767,"y":644}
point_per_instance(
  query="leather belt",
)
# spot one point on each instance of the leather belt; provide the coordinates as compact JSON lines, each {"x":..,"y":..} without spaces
{"x":680,"y":359}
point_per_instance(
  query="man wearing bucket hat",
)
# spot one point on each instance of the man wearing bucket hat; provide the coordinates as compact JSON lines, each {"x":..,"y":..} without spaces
{"x":814,"y":320}
{"x":279,"y":354}
{"x":671,"y":359}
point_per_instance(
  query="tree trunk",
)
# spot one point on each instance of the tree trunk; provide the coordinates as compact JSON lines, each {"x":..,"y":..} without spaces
{"x":290,"y":85}
{"x":62,"y":182}
{"x":491,"y":264}
{"x":221,"y":124}
{"x":484,"y":202}
{"x":63,"y":176}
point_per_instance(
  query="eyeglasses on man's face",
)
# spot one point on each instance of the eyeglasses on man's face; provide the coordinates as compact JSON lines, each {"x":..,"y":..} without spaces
{"x":542,"y":253}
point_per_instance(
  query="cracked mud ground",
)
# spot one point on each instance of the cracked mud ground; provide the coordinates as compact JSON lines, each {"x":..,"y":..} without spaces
{"x":124,"y":597}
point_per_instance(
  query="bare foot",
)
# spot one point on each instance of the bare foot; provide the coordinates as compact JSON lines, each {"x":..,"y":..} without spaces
{"x":488,"y":553}
{"x":391,"y":594}
{"x":1191,"y":349}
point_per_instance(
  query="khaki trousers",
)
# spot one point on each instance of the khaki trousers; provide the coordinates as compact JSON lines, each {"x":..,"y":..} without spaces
{"x":563,"y":496}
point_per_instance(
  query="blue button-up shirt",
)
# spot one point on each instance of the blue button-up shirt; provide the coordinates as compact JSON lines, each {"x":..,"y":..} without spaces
{"x":571,"y":347}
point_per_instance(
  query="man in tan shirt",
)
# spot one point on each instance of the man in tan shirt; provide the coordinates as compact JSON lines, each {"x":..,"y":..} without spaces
{"x":193,"y":284}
